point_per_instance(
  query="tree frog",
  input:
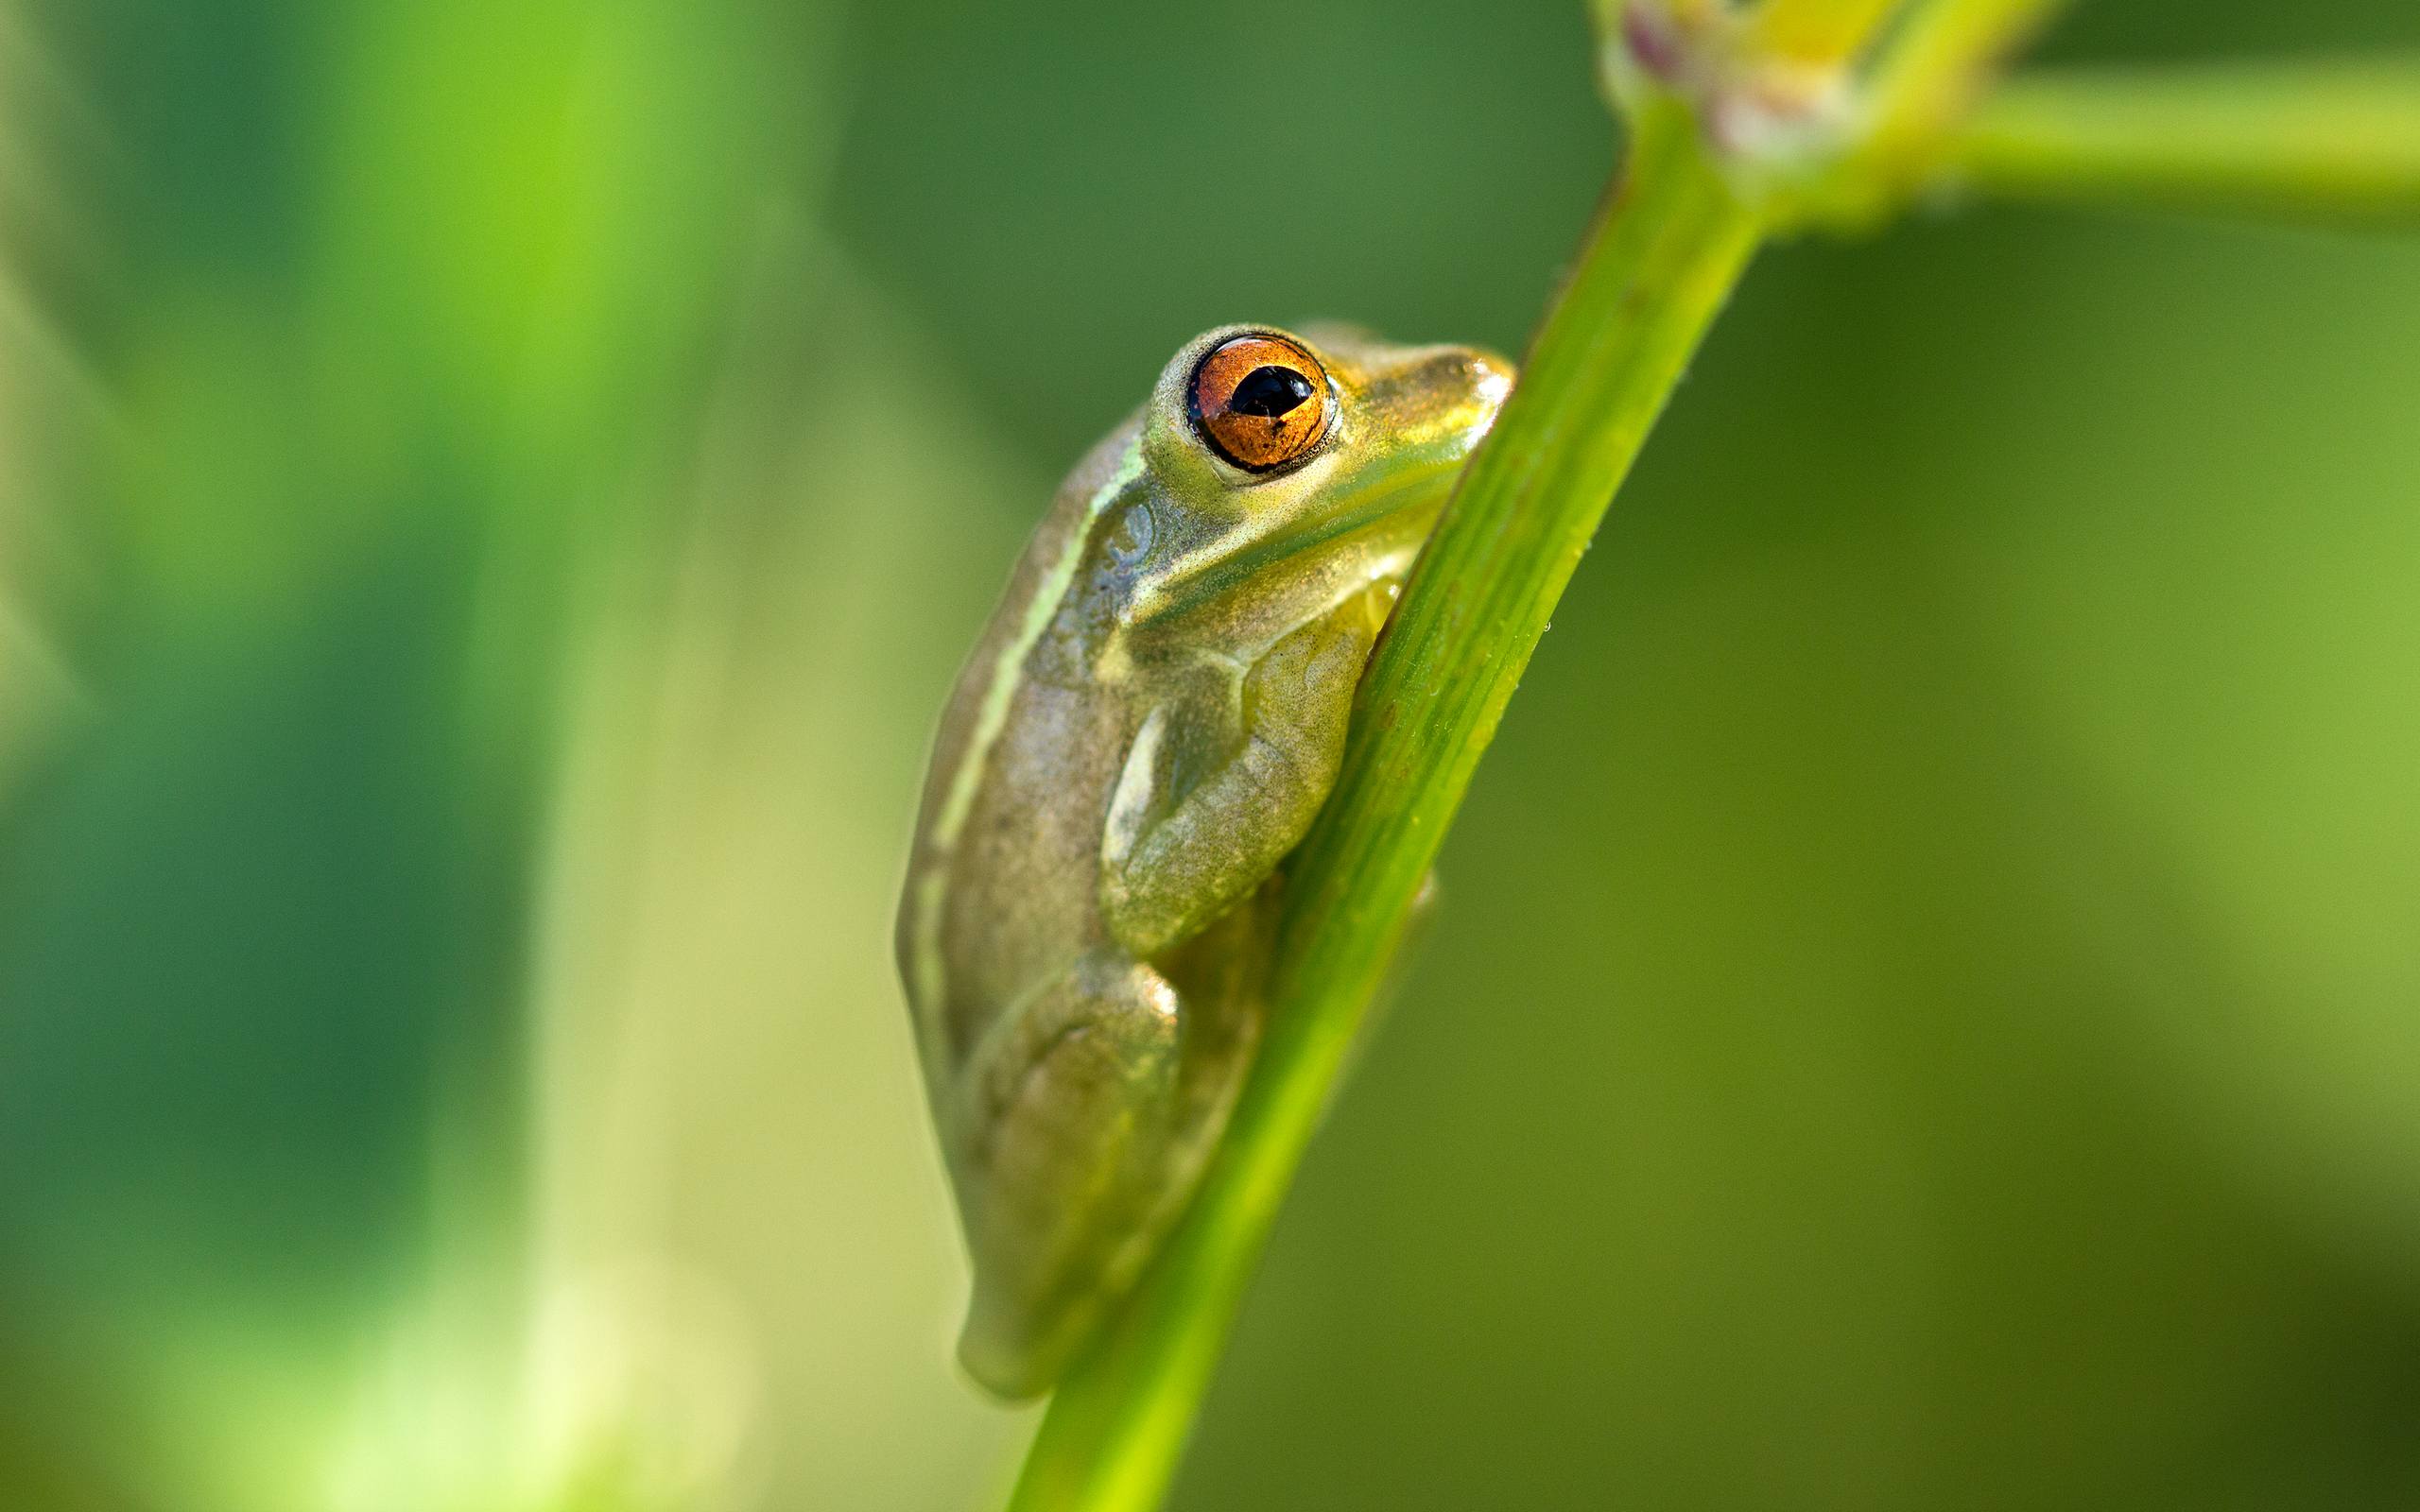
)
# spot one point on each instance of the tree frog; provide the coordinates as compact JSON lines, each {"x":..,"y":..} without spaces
{"x":1147,"y":727}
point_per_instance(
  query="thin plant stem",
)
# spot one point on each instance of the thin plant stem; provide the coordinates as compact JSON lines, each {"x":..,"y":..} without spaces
{"x":1819,"y":33}
{"x":1939,"y":64}
{"x":1665,"y":251}
{"x":2339,"y":141}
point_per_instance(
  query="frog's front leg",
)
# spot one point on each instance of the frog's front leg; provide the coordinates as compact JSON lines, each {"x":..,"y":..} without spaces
{"x":1164,"y":878}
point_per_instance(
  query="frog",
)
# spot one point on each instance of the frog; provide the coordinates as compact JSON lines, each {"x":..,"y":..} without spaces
{"x":1147,"y":727}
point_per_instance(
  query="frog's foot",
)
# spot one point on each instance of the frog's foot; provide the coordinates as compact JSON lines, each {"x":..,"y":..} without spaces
{"x":1068,"y":1186}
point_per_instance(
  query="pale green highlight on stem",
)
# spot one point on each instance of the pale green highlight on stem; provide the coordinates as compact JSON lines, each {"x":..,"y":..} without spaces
{"x":2319,"y":140}
{"x":1820,"y":31}
{"x":1947,"y":57}
{"x":1938,"y":64}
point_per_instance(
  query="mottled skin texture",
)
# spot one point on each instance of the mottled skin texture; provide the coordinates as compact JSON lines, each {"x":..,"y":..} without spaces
{"x":1147,"y":726}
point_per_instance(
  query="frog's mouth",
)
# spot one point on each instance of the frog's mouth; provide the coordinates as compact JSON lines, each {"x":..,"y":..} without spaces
{"x":1377,"y":514}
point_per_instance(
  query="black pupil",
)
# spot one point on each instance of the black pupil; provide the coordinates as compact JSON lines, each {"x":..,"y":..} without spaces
{"x":1269,"y":393}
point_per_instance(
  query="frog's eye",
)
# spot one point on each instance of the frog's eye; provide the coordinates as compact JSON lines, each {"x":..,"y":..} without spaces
{"x":1261,"y":401}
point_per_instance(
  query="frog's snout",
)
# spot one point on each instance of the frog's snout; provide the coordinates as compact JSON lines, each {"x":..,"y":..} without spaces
{"x":1481,"y":374}
{"x":1448,"y":394}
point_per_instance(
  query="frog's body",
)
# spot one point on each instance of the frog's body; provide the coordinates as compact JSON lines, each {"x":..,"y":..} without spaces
{"x":1148,"y":725}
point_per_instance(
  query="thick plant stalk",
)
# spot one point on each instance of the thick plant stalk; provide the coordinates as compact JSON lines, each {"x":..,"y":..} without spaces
{"x":1665,"y":253}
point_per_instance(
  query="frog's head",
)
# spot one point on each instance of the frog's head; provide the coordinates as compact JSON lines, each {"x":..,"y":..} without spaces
{"x":1279,"y":470}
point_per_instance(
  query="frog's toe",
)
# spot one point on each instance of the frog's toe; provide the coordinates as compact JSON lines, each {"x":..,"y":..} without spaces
{"x":1071,"y":1184}
{"x":1016,"y":1350}
{"x":997,"y":1350}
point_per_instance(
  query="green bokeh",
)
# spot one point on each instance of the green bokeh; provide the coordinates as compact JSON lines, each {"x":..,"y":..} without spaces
{"x":491,"y":497}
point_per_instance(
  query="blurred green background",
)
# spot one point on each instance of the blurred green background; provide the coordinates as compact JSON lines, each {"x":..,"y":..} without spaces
{"x":1927,"y":1011}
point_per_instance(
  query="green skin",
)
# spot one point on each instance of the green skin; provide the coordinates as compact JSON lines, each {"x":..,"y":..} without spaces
{"x":1149,"y":724}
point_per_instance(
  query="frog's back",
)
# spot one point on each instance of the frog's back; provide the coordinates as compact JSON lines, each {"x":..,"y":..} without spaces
{"x":1001,"y":891}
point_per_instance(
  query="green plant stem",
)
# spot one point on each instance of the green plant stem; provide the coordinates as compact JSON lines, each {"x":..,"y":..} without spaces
{"x":1665,"y":251}
{"x":1949,"y":55}
{"x":1819,"y":33}
{"x":1664,"y":255}
{"x":1945,"y":57}
{"x":2330,"y":142}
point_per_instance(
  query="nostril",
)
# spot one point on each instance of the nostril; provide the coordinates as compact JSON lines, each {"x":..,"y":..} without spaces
{"x":1488,"y":374}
